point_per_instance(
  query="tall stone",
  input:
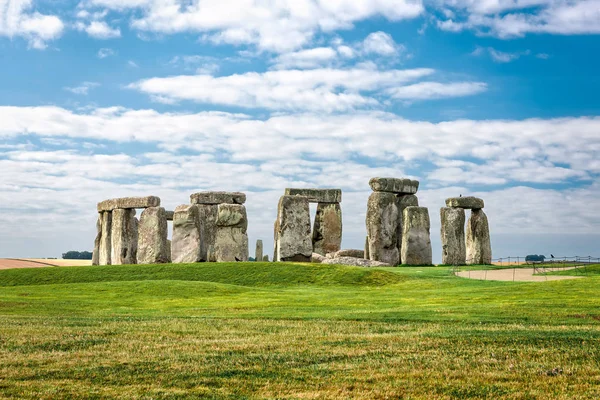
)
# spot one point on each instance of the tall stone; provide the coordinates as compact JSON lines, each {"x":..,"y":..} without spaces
{"x":186,"y":242}
{"x":327,"y":230}
{"x":105,"y":250}
{"x":403,"y":201}
{"x":382,"y":227}
{"x":152,"y":237}
{"x":258,"y":255}
{"x":453,"y":236}
{"x":207,"y":217}
{"x":169,"y":249}
{"x":294,"y":241}
{"x":231,"y":240}
{"x":416,"y":242}
{"x":96,"y":253}
{"x":124,"y":237}
{"x":367,"y":255}
{"x":479,"y":248}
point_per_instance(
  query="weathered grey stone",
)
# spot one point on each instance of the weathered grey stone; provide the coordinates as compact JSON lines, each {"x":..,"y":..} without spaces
{"x":353,"y":261}
{"x":169,"y":215}
{"x":169,"y":244}
{"x":453,"y":235}
{"x":96,"y":253}
{"x":349,"y":253}
{"x":317,"y":258}
{"x":367,"y":253}
{"x":479,"y":248}
{"x":275,"y":239}
{"x":327,"y":230}
{"x":124,"y":237}
{"x":317,"y":195}
{"x":258,"y":254}
{"x":266,"y":258}
{"x":207,"y":217}
{"x":232,"y":215}
{"x":104,"y":258}
{"x":210,"y":254}
{"x":416,"y":242}
{"x":129,"y":203}
{"x":187,"y":238}
{"x":231,"y":240}
{"x":152,"y":237}
{"x":394,"y":185}
{"x":218,"y":198}
{"x":382,"y":227}
{"x":294,"y":239}
{"x":403,"y":201}
{"x":469,"y":202}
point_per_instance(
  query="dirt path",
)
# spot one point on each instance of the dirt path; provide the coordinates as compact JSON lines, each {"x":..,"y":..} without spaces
{"x":9,"y":263}
{"x":515,"y":274}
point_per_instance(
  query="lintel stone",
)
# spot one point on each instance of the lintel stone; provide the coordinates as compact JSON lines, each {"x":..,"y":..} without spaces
{"x":129,"y":203}
{"x":469,"y":202}
{"x":394,"y":185}
{"x":218,"y":198}
{"x":317,"y":195}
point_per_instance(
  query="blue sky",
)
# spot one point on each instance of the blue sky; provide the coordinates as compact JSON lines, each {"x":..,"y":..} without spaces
{"x":106,"y":98}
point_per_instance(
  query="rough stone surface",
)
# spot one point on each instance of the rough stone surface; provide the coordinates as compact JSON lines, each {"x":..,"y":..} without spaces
{"x":327,"y":230}
{"x":231,"y":240}
{"x":469,"y":202}
{"x":96,"y":253}
{"x":349,"y":253}
{"x":479,"y":248}
{"x":129,"y":203}
{"x":232,"y":215}
{"x":403,"y":201}
{"x":169,"y":215}
{"x":357,"y":262}
{"x":394,"y":185}
{"x":416,"y":242}
{"x":185,"y":245}
{"x":294,"y":241}
{"x":152,"y":237}
{"x":275,"y":239}
{"x":210,"y":254}
{"x":207,"y":217}
{"x":453,"y":236}
{"x":317,"y":258}
{"x":266,"y":258}
{"x":367,"y":253}
{"x":124,"y":237}
{"x":105,"y":250}
{"x":317,"y":195}
{"x":169,"y":245}
{"x":258,"y":254}
{"x":218,"y":198}
{"x":382,"y":227}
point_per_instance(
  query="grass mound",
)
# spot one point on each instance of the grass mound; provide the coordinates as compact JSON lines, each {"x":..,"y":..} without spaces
{"x":241,"y":274}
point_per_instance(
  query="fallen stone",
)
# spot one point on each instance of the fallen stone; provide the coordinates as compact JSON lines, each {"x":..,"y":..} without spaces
{"x":207,"y":220}
{"x":152,"y":237}
{"x":169,"y":215}
{"x":479,"y":248}
{"x":185,"y":245}
{"x":96,"y":253}
{"x":416,"y":242}
{"x":294,"y":242}
{"x":105,"y":249}
{"x":453,"y":236}
{"x":357,"y":262}
{"x":382,"y":227}
{"x":317,"y":195}
{"x":469,"y":202}
{"x":394,"y":185}
{"x":327,"y":230}
{"x":258,"y":254}
{"x":129,"y":203}
{"x":217,"y":198}
{"x":349,"y":253}
{"x":124,"y":237}
{"x":317,"y":258}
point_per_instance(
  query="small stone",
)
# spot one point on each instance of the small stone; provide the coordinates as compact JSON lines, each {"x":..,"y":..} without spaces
{"x":258,"y":254}
{"x":453,"y":236}
{"x":185,"y":246}
{"x":394,"y":185}
{"x":479,"y":248}
{"x":294,"y":242}
{"x":469,"y":202}
{"x":317,"y":258}
{"x":218,"y":198}
{"x":152,"y":237}
{"x":416,"y":241}
{"x":129,"y":203}
{"x":124,"y":237}
{"x":382,"y":226}
{"x":317,"y":195}
{"x":327,"y":230}
{"x":356,"y":262}
{"x":169,"y":215}
{"x":350,"y":253}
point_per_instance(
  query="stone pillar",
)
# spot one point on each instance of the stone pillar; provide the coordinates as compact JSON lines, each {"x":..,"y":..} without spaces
{"x":105,"y":250}
{"x":479,"y":248}
{"x":96,"y":253}
{"x":327,"y":230}
{"x":169,"y":248}
{"x":294,"y":242}
{"x":185,"y":246}
{"x":403,"y":201}
{"x":152,"y":237}
{"x":124,"y":236}
{"x":416,"y":242}
{"x":453,"y":236}
{"x":382,"y":227}
{"x":231,"y":239}
{"x":207,"y":217}
{"x":275,"y":239}
{"x":367,"y":254}
{"x":258,"y":255}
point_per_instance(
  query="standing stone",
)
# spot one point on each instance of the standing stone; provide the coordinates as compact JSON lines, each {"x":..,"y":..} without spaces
{"x":403,"y":201}
{"x":327,"y":231}
{"x":104,"y":258}
{"x":124,"y":237}
{"x":416,"y":242}
{"x":207,"y":217}
{"x":275,"y":240}
{"x":96,"y":253}
{"x":479,"y":248}
{"x":258,"y":255}
{"x":169,"y":243}
{"x":152,"y":237}
{"x":231,"y":240}
{"x":185,"y":245}
{"x":453,"y":236}
{"x":294,"y":241}
{"x":367,"y":254}
{"x":210,"y":254}
{"x":382,"y":227}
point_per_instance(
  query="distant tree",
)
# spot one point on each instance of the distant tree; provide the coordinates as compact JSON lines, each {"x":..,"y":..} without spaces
{"x":535,"y":258}
{"x":77,"y":255}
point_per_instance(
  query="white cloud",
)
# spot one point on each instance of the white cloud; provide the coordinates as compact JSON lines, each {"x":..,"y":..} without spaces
{"x":16,"y":20}
{"x":105,"y":52}
{"x":437,"y":90}
{"x":500,"y":56}
{"x":99,"y":30}
{"x":82,"y":89}
{"x":381,"y":43}
{"x":309,"y":58}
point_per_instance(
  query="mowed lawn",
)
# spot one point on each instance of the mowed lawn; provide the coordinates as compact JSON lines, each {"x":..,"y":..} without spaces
{"x":282,"y":330}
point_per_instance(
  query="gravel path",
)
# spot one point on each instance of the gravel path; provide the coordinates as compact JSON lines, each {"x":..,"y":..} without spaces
{"x":515,"y":274}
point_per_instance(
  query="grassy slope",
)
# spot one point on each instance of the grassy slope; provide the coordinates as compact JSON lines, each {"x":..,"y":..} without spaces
{"x":290,"y":330}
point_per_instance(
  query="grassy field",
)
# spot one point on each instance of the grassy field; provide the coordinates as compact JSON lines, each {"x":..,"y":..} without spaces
{"x":264,"y":330}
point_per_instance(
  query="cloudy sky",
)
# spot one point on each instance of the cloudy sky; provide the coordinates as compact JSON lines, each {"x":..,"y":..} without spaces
{"x":108,"y":98}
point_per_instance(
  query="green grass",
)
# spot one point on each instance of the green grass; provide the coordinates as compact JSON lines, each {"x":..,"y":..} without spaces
{"x":275,"y":330}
